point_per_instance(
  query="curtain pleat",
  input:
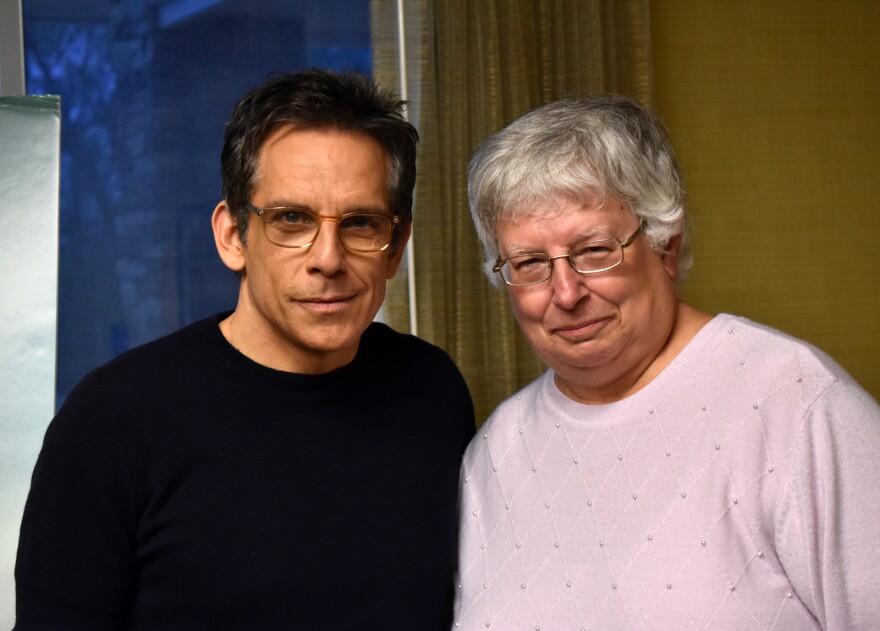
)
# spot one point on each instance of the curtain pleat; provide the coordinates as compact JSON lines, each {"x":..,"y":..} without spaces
{"x":472,"y":67}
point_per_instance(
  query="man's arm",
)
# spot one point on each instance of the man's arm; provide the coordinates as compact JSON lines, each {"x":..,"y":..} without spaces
{"x":76,"y":563}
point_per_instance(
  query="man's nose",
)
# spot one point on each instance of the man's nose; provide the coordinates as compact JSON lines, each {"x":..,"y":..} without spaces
{"x":327,"y":254}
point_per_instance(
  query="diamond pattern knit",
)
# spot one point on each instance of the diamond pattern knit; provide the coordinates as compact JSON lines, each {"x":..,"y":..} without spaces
{"x":736,"y":491}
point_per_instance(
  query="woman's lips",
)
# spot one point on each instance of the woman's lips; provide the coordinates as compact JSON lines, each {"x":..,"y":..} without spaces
{"x":580,"y":330}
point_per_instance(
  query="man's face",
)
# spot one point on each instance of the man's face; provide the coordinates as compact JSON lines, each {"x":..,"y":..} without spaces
{"x":600,"y":330}
{"x":304,"y":309}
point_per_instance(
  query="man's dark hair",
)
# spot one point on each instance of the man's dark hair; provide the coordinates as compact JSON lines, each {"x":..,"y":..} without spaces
{"x":317,"y":99}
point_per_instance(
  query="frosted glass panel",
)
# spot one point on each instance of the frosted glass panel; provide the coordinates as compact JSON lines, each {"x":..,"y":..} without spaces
{"x":29,"y":150}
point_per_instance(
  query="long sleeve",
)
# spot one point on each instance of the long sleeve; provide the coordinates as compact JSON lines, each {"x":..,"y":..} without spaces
{"x":827,"y":537}
{"x":76,"y":551}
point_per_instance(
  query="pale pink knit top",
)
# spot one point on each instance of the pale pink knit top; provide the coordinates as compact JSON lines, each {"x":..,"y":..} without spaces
{"x":739,"y":490}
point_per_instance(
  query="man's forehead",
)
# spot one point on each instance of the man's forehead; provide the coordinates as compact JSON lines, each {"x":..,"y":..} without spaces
{"x":286,"y":130}
{"x":330,"y":141}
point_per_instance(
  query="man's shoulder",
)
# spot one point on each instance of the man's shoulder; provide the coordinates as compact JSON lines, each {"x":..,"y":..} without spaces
{"x":380,"y":339}
{"x":175,"y":347}
{"x":420,"y":373}
{"x":381,"y":332}
{"x":165,"y":359}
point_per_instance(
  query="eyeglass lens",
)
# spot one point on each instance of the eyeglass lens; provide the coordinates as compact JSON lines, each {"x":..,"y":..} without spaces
{"x":362,"y":232}
{"x":595,"y":256}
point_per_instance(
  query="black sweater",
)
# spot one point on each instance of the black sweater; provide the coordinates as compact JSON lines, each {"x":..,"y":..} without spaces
{"x":184,"y":486}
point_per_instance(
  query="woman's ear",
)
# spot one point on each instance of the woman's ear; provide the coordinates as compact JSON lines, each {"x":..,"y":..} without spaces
{"x":670,"y":256}
{"x":227,"y":239}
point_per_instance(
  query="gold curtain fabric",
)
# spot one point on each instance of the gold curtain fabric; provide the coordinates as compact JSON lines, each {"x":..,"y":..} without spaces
{"x":471,"y":67}
{"x":772,"y":107}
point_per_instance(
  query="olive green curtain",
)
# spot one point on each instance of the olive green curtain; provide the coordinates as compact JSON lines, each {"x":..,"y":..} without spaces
{"x":471,"y":67}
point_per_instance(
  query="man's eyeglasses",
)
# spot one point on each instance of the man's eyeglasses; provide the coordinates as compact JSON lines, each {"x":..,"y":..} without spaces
{"x":587,"y":258}
{"x":298,"y":228}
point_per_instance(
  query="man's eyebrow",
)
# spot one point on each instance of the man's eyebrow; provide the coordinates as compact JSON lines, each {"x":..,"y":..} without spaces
{"x":370,"y":210}
{"x":366,"y":209}
{"x":286,"y":203}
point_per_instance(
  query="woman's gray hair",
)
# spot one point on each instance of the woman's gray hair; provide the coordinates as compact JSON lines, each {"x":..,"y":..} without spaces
{"x":585,"y":150}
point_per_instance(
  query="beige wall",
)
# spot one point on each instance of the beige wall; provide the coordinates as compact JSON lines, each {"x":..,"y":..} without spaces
{"x":774,"y":109}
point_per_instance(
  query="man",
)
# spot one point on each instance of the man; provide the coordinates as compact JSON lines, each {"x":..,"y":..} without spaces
{"x":288,"y":465}
{"x":672,"y":469}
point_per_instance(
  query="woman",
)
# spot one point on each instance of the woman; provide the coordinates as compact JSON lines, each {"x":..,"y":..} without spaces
{"x":671,"y":469}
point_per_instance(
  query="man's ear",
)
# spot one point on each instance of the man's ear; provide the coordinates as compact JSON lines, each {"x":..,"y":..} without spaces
{"x":227,"y":239}
{"x":670,"y":256}
{"x":395,"y":256}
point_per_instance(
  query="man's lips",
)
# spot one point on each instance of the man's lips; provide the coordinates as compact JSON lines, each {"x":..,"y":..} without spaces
{"x":325,"y":304}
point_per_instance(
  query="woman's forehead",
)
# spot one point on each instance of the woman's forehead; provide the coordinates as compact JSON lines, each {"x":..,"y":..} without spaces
{"x":561,"y":210}
{"x":562,"y":226}
{"x":553,"y":204}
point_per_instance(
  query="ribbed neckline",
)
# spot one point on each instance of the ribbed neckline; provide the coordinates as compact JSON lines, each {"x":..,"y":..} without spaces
{"x":688,"y":362}
{"x":241,"y":367}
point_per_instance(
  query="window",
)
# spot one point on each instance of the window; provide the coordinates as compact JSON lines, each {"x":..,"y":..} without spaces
{"x":145,"y":87}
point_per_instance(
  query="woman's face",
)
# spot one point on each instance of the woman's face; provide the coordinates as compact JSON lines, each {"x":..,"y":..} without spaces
{"x":599,"y":332}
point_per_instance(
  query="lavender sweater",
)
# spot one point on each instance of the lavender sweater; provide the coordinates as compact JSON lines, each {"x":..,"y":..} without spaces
{"x":738,"y":490}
